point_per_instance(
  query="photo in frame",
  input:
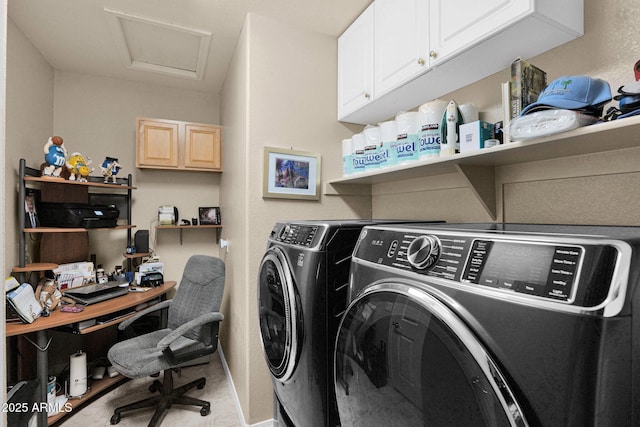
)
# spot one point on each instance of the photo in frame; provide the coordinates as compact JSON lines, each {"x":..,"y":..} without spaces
{"x":291,"y":174}
{"x":209,"y":216}
{"x":30,"y":214}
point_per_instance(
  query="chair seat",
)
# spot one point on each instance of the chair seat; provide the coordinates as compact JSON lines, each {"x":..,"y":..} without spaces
{"x":138,"y":357}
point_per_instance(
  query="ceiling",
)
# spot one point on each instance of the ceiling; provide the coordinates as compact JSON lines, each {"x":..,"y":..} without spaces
{"x":186,"y":44}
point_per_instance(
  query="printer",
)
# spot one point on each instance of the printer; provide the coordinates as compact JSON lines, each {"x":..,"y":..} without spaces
{"x":77,"y":215}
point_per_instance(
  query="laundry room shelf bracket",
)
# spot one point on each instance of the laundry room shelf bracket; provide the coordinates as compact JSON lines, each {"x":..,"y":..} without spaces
{"x":481,"y":180}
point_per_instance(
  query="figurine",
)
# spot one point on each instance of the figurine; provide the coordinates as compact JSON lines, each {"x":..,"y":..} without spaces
{"x":110,"y":168}
{"x":79,"y":167}
{"x":48,"y":294}
{"x":55,"y":154}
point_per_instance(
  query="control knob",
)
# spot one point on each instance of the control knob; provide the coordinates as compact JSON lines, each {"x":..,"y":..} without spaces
{"x":423,"y":252}
{"x":284,"y":232}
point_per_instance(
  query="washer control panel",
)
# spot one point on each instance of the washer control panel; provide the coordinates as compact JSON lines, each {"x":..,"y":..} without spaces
{"x":537,"y":268}
{"x":295,"y":234}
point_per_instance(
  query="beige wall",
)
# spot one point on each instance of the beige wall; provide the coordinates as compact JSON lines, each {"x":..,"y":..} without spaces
{"x":281,"y":92}
{"x":97,"y":117}
{"x":597,"y":189}
{"x":29,"y":123}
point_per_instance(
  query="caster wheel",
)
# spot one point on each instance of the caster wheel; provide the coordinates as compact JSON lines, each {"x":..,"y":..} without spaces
{"x":201,"y":384}
{"x":152,"y":388}
{"x":115,"y":419}
{"x":205,"y":411}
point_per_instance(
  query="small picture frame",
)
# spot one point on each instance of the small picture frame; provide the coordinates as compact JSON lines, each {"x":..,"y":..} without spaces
{"x":291,"y":174}
{"x":209,"y":216}
{"x":30,"y":214}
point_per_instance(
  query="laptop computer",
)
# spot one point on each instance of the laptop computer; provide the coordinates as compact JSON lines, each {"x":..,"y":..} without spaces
{"x":98,"y":292}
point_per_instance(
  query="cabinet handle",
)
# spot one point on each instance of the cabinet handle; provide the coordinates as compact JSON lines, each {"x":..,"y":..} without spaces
{"x":366,"y":95}
{"x":433,"y":54}
{"x":421,"y":61}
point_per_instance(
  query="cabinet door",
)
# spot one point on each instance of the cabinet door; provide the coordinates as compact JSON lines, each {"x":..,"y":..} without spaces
{"x":458,"y":25}
{"x":401,"y":42}
{"x":157,"y":143}
{"x":355,"y":64}
{"x":202,"y":147}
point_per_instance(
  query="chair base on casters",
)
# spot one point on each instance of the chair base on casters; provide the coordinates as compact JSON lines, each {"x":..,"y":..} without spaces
{"x":167,"y":397}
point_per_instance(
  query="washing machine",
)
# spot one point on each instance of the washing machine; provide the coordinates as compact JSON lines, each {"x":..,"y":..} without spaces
{"x":491,"y":325}
{"x":302,"y":294}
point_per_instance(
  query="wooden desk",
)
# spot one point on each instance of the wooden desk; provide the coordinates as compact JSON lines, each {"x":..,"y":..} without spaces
{"x":59,"y":318}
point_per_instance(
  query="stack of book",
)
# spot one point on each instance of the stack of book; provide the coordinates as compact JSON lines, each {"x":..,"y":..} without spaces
{"x":526,"y":83}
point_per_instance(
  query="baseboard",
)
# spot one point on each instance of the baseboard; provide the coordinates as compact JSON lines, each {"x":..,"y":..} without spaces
{"x":236,"y":400}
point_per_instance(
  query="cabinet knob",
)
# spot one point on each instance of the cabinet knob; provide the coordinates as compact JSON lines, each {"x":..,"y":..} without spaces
{"x":420,"y":61}
{"x":366,"y":95}
{"x":433,"y":54}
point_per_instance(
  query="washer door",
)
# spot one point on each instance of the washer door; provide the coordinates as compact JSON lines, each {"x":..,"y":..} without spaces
{"x":404,"y":358}
{"x":279,"y":312}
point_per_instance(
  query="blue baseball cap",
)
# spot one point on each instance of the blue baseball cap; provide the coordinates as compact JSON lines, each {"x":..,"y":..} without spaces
{"x":572,"y":93}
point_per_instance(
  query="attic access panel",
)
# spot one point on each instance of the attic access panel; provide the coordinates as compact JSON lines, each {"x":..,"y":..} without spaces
{"x":153,"y":45}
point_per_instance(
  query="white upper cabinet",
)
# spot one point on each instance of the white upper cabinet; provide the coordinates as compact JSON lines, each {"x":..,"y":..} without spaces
{"x":401,"y":42}
{"x":427,"y":48}
{"x":355,"y":64}
{"x":458,"y":25}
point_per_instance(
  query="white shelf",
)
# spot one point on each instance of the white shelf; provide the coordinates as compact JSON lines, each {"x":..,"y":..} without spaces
{"x":478,"y":168}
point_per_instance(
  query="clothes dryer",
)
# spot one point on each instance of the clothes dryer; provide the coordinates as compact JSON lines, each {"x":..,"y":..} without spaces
{"x":302,"y":294}
{"x":491,"y":325}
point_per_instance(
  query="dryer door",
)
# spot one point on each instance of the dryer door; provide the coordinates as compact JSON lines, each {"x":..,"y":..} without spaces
{"x":404,"y":358}
{"x":279,"y":313}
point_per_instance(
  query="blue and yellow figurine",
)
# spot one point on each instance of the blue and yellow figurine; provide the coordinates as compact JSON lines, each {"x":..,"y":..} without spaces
{"x":110,"y":168}
{"x":55,"y":155}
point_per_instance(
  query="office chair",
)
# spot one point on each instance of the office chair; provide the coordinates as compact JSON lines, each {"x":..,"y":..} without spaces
{"x":191,"y":333}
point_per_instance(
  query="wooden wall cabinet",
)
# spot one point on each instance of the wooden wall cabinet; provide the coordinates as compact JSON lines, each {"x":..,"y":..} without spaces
{"x":177,"y":145}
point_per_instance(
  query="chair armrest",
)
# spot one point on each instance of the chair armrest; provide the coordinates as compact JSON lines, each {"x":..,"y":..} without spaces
{"x":182,"y":329}
{"x":159,"y":306}
{"x":184,"y":356}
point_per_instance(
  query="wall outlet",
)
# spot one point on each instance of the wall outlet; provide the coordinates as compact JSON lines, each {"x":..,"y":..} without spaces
{"x":224,"y":244}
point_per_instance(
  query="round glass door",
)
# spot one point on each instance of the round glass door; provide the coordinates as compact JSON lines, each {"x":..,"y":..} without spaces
{"x":403,"y":358}
{"x":278,"y":314}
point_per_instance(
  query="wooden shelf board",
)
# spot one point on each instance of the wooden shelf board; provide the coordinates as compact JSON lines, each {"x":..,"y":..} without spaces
{"x":39,"y":266}
{"x":74,"y":230}
{"x":136,"y":255}
{"x":66,"y":181}
{"x":96,"y":388}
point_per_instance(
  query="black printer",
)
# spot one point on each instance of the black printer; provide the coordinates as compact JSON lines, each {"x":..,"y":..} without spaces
{"x":77,"y":215}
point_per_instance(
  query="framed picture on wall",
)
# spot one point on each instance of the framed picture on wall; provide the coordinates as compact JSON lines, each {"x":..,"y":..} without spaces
{"x":291,"y":174}
{"x":209,"y":216}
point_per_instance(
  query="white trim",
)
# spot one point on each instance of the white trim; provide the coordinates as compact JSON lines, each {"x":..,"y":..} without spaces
{"x":236,"y":400}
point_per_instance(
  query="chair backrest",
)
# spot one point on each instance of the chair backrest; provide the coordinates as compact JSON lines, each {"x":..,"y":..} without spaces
{"x":200,"y":291}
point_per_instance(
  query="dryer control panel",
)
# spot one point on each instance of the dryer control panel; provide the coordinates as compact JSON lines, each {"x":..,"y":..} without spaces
{"x":538,"y":267}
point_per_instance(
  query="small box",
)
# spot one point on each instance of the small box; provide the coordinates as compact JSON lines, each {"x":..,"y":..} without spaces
{"x":474,"y":134}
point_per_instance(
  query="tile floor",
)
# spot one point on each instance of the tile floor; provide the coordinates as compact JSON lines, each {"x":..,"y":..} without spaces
{"x":217,"y":391}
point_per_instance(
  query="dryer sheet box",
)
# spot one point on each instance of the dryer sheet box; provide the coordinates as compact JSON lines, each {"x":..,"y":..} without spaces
{"x":474,"y":134}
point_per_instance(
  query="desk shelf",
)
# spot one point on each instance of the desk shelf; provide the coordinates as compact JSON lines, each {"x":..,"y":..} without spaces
{"x":97,"y":387}
{"x":58,"y":319}
{"x":38,"y":266}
